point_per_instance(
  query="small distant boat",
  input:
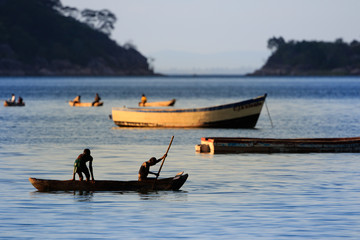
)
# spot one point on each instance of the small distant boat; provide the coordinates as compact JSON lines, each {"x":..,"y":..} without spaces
{"x":13,"y":104}
{"x":243,"y":114}
{"x":271,"y":145}
{"x":85,"y":104}
{"x":151,"y":184}
{"x":158,"y":104}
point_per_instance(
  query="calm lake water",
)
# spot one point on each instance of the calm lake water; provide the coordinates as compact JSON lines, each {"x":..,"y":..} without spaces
{"x":231,"y":196}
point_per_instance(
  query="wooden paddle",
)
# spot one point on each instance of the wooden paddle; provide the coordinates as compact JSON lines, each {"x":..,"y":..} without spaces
{"x":162,"y":163}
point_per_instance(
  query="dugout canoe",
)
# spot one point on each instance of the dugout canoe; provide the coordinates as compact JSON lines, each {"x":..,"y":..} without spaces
{"x":242,"y":114}
{"x":271,"y":145}
{"x":172,"y":183}
{"x":13,"y":104}
{"x":85,"y":104}
{"x":158,"y":104}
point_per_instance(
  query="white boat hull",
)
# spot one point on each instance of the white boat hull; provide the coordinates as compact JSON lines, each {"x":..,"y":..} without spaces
{"x":235,"y":115}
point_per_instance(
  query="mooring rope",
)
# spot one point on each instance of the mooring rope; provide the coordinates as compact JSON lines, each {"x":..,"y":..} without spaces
{"x":269,"y":115}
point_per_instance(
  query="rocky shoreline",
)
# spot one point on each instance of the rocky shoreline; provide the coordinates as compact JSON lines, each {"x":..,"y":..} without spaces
{"x":290,"y":71}
{"x":58,"y":67}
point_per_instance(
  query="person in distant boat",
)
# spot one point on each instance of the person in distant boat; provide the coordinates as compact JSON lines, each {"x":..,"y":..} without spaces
{"x":13,"y":98}
{"x":145,"y":168}
{"x":143,"y":99}
{"x":20,"y":100}
{"x":96,"y":100}
{"x":80,"y":166}
{"x":76,"y":100}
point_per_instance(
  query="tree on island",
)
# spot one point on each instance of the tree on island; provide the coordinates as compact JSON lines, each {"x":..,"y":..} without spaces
{"x":102,"y":20}
{"x":274,"y":43}
{"x":311,"y":58}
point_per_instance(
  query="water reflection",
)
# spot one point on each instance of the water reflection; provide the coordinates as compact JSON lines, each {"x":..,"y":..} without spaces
{"x":180,"y":195}
{"x":83,"y":196}
{"x":80,"y":196}
{"x":89,"y":196}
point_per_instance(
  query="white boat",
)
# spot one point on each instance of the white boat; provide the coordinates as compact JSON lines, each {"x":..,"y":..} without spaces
{"x":158,"y":104}
{"x":242,"y":114}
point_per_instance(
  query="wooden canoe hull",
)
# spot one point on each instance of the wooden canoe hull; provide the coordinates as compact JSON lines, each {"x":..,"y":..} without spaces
{"x":158,"y":104}
{"x":11,"y":104}
{"x":85,"y":104}
{"x":173,"y":183}
{"x":243,"y":114}
{"x":270,"y":145}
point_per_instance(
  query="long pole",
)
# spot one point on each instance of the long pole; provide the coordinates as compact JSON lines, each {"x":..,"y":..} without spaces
{"x":162,"y":163}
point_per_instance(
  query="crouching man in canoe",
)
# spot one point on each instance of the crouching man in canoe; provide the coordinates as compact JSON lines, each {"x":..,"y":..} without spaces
{"x":145,"y":167}
{"x":80,"y":166}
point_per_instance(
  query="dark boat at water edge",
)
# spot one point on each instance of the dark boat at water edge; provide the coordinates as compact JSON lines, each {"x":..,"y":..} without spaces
{"x":151,"y":184}
{"x":272,"y":145}
{"x":13,"y":104}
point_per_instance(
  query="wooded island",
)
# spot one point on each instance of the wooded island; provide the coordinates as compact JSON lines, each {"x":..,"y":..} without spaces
{"x":311,"y":58}
{"x":43,"y":37}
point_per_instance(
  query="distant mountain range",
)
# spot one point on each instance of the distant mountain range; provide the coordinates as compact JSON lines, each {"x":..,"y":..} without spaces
{"x":316,"y":58}
{"x":38,"y":38}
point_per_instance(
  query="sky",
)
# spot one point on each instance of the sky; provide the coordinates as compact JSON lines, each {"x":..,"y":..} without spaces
{"x":222,"y":36}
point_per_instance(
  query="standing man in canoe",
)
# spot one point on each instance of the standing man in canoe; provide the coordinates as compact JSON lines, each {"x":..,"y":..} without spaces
{"x":145,"y":167}
{"x":80,"y":166}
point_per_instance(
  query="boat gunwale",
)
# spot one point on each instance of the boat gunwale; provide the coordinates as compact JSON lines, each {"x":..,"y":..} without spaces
{"x":281,"y":140}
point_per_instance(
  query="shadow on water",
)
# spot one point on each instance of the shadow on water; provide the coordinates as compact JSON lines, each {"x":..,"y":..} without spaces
{"x":162,"y":195}
{"x":80,"y":196}
{"x":88,"y":196}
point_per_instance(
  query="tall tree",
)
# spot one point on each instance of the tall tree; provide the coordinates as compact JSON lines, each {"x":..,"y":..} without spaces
{"x":102,"y":20}
{"x":275,"y":43}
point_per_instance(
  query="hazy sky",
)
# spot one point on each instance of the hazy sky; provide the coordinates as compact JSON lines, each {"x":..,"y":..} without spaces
{"x":224,"y":36}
